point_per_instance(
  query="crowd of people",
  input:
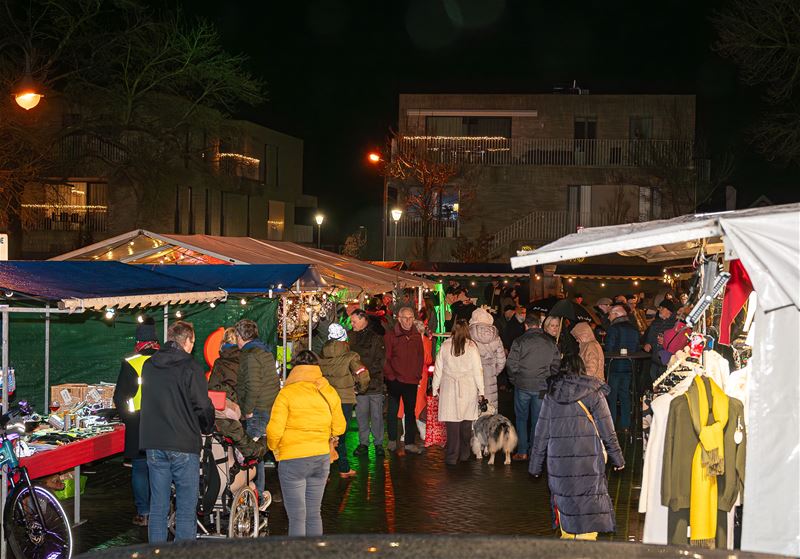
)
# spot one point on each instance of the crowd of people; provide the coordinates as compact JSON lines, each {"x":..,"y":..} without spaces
{"x":379,"y":362}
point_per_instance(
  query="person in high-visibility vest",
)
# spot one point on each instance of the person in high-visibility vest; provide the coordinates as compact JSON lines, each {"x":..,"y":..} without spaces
{"x":127,"y":399}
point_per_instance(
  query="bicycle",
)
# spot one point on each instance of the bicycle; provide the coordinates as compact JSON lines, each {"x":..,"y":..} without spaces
{"x":35,"y":524}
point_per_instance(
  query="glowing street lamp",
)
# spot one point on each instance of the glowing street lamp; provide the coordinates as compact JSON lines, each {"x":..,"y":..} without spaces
{"x":27,"y":93}
{"x":319,"y":218}
{"x":397,"y":213}
{"x":374,"y":157}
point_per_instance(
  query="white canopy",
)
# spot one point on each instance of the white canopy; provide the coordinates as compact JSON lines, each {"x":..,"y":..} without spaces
{"x":767,"y":241}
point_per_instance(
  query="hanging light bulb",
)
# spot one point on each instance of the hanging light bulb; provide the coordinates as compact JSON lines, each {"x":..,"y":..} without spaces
{"x":178,"y":314}
{"x":636,"y":282}
{"x":27,"y":94}
{"x":140,"y":319}
{"x":243,"y":301}
{"x":109,"y":313}
{"x":212,"y":304}
{"x":602,"y":285}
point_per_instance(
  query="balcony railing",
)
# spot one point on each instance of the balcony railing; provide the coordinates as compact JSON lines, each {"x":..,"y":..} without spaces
{"x":546,"y":226}
{"x":414,"y":227}
{"x":552,"y":151}
{"x":42,"y":217}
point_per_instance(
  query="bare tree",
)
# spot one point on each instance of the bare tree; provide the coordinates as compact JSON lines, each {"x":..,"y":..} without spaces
{"x":763,"y":38}
{"x":142,"y":91}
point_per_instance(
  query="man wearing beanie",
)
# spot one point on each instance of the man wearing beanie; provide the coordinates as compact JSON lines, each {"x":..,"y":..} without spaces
{"x":347,"y":374}
{"x":127,"y":399}
{"x":654,"y":337}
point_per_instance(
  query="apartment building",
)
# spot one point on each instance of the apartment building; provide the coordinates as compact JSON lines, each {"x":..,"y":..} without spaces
{"x":536,"y":167}
{"x":244,"y":180}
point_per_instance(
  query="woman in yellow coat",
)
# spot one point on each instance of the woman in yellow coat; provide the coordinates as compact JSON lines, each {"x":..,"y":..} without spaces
{"x":306,"y":414}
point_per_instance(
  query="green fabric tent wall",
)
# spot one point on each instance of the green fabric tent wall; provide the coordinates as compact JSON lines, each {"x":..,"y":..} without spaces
{"x":87,"y":348}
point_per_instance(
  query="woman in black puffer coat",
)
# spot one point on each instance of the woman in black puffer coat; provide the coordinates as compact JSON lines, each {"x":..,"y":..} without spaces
{"x":574,"y":451}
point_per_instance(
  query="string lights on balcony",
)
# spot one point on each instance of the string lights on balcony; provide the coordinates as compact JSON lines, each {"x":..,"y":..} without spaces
{"x":239,"y":158}
{"x":65,"y":207}
{"x":457,"y":138}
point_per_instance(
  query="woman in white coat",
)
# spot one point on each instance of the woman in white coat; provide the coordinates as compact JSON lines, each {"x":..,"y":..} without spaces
{"x":458,"y":381}
{"x":493,"y":356}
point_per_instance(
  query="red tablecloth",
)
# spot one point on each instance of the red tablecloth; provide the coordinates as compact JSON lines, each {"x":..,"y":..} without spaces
{"x":75,"y":454}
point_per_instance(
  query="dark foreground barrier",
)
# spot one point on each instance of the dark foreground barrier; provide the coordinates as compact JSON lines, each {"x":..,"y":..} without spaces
{"x":407,"y":546}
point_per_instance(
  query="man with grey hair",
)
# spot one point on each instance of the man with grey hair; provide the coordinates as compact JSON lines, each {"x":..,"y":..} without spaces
{"x":402,"y":369}
{"x":257,"y":386}
{"x":175,"y":411}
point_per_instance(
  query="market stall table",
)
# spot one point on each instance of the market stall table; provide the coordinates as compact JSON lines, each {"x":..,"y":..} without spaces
{"x":73,"y":455}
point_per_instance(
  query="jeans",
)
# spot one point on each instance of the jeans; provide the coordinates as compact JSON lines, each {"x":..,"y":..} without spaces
{"x":140,"y":481}
{"x":341,"y":448}
{"x":256,"y":427}
{"x":620,"y":384}
{"x":459,"y":434}
{"x":303,"y":484}
{"x":408,"y":393}
{"x":527,"y":405}
{"x":369,"y":412}
{"x":183,"y":469}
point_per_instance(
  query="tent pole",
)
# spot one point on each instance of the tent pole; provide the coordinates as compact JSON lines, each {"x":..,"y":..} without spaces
{"x":310,"y":325}
{"x":285,"y":346}
{"x":5,"y":361}
{"x":419,"y":299}
{"x":47,"y":356}
{"x":166,"y":321}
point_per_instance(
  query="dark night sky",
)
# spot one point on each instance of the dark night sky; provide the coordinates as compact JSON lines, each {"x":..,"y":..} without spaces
{"x":334,"y":69}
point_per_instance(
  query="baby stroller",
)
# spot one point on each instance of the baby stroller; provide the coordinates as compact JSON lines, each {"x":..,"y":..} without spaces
{"x":228,"y":504}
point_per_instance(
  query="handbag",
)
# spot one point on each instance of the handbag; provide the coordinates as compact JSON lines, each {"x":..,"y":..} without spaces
{"x":596,"y":432}
{"x":333,"y":441}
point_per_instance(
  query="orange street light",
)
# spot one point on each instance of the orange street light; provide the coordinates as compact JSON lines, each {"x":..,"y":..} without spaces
{"x":26,"y":93}
{"x":374,"y":157}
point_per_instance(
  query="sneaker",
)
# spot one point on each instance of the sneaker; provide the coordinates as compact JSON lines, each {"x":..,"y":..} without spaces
{"x":379,"y":450}
{"x":361,"y":450}
{"x":392,"y":445}
{"x":277,"y":497}
{"x":414,"y":449}
{"x":140,"y":520}
{"x":265,"y":501}
{"x":519,"y":457}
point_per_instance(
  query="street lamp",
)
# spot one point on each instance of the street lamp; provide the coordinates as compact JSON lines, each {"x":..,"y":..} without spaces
{"x":319,"y":218}
{"x":26,"y":93}
{"x":375,"y":158}
{"x":397,"y":213}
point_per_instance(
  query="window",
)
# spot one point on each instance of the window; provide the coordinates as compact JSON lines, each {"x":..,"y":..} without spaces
{"x":470,"y":126}
{"x":75,"y":206}
{"x":641,"y":128}
{"x":275,"y":224}
{"x":585,"y":127}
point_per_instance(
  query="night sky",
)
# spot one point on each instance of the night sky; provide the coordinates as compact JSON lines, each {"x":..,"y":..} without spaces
{"x":334,"y":69}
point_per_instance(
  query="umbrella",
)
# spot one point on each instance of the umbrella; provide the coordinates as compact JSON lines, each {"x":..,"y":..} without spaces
{"x":542,"y":305}
{"x":570,"y":310}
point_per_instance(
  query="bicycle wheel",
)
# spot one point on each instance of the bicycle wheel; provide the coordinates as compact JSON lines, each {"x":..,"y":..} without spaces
{"x":33,"y":537}
{"x":243,"y":522}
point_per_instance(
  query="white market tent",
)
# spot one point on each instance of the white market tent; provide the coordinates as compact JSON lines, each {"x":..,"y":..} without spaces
{"x":146,"y":247}
{"x":767,"y":241}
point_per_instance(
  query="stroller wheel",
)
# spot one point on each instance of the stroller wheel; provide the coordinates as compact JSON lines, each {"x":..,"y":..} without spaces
{"x":244,"y":515}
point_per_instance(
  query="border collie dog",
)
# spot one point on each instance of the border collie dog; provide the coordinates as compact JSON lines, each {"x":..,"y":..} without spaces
{"x":492,"y":432}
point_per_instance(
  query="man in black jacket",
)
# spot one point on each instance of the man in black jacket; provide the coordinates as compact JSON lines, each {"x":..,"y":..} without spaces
{"x":654,"y":337}
{"x":369,"y":404}
{"x":533,"y":358}
{"x":176,"y":410}
{"x":128,"y":400}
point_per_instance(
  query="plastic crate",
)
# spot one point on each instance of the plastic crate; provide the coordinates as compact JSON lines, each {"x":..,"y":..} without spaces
{"x":69,"y":489}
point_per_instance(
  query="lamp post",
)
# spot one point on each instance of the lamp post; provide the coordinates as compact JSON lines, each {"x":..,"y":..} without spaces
{"x":319,"y":218}
{"x":397,"y":213}
{"x":375,"y":158}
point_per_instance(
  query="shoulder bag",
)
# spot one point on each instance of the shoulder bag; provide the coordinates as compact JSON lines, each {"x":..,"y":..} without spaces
{"x":596,"y":432}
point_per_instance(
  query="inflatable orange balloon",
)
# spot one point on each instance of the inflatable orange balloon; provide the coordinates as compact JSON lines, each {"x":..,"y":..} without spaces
{"x":211,"y":348}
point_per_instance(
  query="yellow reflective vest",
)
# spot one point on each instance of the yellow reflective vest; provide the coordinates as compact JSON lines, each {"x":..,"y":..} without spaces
{"x":137,"y":363}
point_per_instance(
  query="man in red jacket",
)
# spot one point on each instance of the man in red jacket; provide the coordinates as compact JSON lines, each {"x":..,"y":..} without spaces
{"x":402,"y":372}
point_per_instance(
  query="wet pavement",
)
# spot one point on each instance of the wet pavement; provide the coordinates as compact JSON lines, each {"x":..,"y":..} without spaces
{"x":408,"y":494}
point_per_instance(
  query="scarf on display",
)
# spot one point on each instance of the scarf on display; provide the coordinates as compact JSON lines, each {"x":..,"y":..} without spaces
{"x":140,"y":346}
{"x":709,"y":458}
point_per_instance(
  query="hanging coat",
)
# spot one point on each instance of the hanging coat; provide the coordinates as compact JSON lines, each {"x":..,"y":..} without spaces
{"x":458,"y":381}
{"x":576,"y":471}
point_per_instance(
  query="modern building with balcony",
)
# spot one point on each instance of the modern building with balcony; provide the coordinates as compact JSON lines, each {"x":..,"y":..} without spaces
{"x":243,"y":180}
{"x":536,"y":167}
